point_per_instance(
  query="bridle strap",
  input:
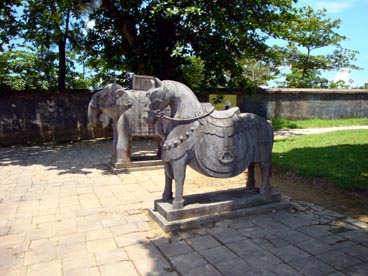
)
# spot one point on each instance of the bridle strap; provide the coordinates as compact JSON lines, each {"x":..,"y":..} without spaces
{"x":161,"y":115}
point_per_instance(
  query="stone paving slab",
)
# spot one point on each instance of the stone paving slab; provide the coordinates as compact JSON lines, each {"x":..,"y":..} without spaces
{"x":63,"y":213}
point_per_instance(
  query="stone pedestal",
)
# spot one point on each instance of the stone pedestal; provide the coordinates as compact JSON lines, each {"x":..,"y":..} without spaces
{"x":137,"y":165}
{"x":212,"y":207}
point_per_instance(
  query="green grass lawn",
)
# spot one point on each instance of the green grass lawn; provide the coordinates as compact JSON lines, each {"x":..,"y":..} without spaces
{"x":278,"y":123}
{"x":340,"y":156}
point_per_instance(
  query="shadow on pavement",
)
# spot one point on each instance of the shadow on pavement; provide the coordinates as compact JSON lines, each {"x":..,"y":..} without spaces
{"x":71,"y":158}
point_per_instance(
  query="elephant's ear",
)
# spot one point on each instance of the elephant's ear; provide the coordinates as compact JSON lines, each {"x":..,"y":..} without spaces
{"x":123,"y":98}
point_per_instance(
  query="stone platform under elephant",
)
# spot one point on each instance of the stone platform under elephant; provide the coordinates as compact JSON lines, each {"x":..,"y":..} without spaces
{"x":137,"y":164}
{"x":144,"y":157}
{"x":211,"y":207}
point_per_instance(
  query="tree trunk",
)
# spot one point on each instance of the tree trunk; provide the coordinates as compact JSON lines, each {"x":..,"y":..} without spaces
{"x":62,"y":66}
{"x":62,"y":54}
{"x":305,"y":67}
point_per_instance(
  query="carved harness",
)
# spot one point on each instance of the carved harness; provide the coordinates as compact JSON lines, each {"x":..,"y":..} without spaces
{"x":218,"y":147}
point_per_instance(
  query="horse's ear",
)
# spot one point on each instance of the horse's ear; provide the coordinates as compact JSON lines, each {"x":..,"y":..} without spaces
{"x":158,"y":83}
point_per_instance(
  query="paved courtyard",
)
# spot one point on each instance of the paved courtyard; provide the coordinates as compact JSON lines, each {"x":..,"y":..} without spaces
{"x":63,"y":213}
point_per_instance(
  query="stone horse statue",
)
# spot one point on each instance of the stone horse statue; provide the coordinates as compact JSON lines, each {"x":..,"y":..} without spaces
{"x":124,"y":108}
{"x":215,"y":143}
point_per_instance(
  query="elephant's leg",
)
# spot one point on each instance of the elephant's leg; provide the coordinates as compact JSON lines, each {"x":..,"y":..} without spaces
{"x":265,"y":189}
{"x":251,"y":181}
{"x":123,"y":141}
{"x":114,"y":142}
{"x":167,"y":194}
{"x":179,"y":168}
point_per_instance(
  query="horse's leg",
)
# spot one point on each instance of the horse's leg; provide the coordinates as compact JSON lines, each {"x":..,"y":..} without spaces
{"x":179,"y":168}
{"x":265,"y":189}
{"x":159,"y":148}
{"x":251,"y":181}
{"x":167,"y":194}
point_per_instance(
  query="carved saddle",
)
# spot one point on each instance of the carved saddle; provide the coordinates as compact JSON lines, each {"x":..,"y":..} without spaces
{"x":222,"y":148}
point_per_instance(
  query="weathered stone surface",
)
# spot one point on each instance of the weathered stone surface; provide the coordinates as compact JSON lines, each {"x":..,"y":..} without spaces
{"x":311,"y":266}
{"x":338,"y":259}
{"x":37,"y":172}
{"x":34,"y":116}
{"x":213,"y":202}
{"x":188,"y":262}
{"x":202,"y":242}
{"x":215,"y":143}
{"x":124,"y":108}
{"x":208,"y":215}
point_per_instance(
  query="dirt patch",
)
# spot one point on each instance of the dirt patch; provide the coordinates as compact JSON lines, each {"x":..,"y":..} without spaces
{"x":321,"y":192}
{"x":314,"y":190}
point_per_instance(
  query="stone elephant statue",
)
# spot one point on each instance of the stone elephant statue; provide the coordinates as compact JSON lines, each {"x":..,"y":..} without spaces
{"x":111,"y":104}
{"x":124,"y":108}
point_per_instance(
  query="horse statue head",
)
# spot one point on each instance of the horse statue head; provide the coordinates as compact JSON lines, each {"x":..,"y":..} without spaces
{"x":158,"y":97}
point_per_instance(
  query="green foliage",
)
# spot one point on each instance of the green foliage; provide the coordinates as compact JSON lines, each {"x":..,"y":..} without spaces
{"x":300,"y":79}
{"x":9,"y":25}
{"x":340,"y":84}
{"x":156,"y":37}
{"x":192,"y":72}
{"x":54,"y":27}
{"x":27,"y":68}
{"x":21,"y":69}
{"x":218,"y":99}
{"x":279,"y":123}
{"x":205,"y":44}
{"x":339,"y":156}
{"x":311,"y":31}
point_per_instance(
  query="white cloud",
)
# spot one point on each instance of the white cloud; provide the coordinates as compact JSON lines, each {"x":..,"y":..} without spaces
{"x":343,"y":74}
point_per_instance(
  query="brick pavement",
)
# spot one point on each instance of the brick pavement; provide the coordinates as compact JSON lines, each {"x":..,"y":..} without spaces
{"x":63,"y":213}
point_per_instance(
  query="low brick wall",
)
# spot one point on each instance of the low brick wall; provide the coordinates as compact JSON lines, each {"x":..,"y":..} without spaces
{"x":36,"y":117}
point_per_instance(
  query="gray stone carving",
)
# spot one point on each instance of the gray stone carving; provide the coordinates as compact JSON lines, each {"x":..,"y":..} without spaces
{"x":124,"y":108}
{"x":214,"y":143}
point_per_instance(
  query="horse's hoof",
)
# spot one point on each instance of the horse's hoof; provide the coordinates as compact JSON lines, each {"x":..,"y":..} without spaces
{"x":178,"y":204}
{"x":167,"y":197}
{"x":266,"y":193}
{"x":250,"y":188}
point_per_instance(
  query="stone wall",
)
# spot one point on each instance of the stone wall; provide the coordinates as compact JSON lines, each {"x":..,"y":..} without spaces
{"x":305,"y":103}
{"x":36,"y":117}
{"x":30,"y":117}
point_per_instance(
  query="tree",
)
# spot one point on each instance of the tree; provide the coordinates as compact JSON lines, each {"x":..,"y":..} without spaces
{"x":22,"y":69}
{"x":157,"y":37}
{"x":259,"y":72}
{"x":51,"y":25}
{"x":9,"y":25}
{"x":311,"y":31}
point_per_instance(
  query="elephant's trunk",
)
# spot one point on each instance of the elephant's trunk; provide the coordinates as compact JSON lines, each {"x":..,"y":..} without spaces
{"x":93,"y":114}
{"x":96,"y":117}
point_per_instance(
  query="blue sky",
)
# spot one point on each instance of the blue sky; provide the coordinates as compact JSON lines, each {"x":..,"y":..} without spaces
{"x":354,"y":25}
